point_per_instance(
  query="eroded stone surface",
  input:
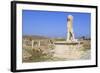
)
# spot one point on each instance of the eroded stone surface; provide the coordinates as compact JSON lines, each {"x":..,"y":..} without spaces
{"x":68,"y":52}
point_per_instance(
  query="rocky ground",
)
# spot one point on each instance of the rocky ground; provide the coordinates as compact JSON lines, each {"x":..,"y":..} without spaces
{"x":61,"y":52}
{"x":71,"y":52}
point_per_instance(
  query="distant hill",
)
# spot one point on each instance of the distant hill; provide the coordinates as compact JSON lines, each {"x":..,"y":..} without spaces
{"x":34,"y":37}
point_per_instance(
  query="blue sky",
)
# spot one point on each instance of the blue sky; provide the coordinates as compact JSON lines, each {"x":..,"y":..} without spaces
{"x":54,"y":24}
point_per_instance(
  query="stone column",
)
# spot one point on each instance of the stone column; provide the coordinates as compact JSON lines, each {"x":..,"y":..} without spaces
{"x":32,"y":43}
{"x":70,"y":33}
{"x":38,"y":43}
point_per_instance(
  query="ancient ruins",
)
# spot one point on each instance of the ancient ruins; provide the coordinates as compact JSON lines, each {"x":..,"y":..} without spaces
{"x":69,"y":49}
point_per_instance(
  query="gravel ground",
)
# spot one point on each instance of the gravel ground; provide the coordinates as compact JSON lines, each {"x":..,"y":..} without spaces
{"x":86,"y":55}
